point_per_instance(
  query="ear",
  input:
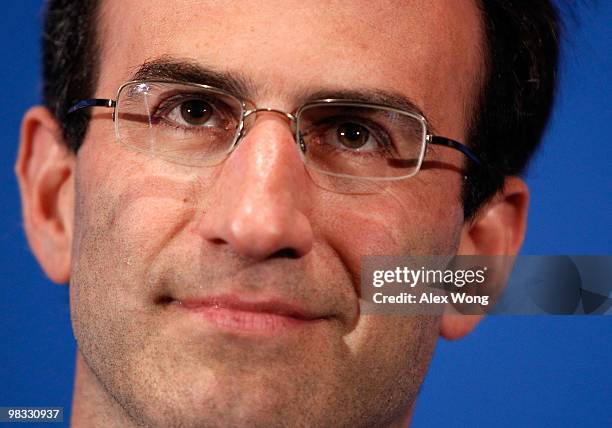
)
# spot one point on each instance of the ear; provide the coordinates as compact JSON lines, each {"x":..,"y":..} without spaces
{"x":45,"y":172}
{"x":498,"y":229}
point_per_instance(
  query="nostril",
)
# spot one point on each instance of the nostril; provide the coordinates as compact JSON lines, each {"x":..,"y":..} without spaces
{"x":217,"y":241}
{"x":285,"y":253}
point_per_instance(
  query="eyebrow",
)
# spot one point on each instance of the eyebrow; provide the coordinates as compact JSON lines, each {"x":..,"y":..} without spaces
{"x":170,"y":68}
{"x":189,"y":71}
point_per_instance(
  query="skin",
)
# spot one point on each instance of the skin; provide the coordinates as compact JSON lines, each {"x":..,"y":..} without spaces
{"x":130,"y":232}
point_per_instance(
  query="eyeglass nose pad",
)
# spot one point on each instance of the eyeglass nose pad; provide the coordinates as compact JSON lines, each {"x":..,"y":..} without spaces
{"x":247,"y":123}
{"x":301,"y":142}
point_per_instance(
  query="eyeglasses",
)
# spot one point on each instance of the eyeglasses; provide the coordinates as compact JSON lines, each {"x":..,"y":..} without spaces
{"x":199,"y":125}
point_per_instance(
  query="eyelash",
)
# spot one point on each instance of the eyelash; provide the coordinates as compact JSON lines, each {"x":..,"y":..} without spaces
{"x":169,"y":103}
{"x":375,"y":130}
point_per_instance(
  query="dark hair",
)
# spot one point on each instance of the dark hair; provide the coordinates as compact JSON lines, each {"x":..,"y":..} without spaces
{"x":521,"y":56}
{"x":70,"y":63}
{"x":521,"y":59}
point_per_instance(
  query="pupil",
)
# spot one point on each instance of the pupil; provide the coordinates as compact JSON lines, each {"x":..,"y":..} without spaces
{"x":353,"y":135}
{"x":196,"y":112}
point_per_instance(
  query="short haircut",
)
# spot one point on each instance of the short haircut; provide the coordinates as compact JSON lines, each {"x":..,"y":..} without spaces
{"x":521,"y":49}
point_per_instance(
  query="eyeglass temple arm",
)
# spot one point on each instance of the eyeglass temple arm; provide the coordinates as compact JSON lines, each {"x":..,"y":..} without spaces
{"x":93,"y":102}
{"x":442,"y":141}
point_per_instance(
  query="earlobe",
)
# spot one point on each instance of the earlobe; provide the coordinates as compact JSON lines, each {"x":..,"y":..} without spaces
{"x":45,"y":172}
{"x":498,"y":229}
{"x":454,"y":327}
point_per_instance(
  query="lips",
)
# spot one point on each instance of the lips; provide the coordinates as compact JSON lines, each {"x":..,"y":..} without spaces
{"x":230,"y":313}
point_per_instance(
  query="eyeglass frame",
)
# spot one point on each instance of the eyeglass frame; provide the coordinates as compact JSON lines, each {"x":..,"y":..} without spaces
{"x":293,"y":118}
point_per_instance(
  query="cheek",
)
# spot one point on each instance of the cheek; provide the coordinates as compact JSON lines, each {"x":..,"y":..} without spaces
{"x":398,"y":220}
{"x":125,"y":216}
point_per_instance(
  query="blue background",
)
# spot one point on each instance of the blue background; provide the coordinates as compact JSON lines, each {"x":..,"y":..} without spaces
{"x":512,"y":371}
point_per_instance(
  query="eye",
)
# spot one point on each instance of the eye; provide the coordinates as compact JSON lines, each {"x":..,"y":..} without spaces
{"x":357,"y":135}
{"x":356,"y":130}
{"x":195,"y":112}
{"x":192,"y":112}
{"x":352,"y":135}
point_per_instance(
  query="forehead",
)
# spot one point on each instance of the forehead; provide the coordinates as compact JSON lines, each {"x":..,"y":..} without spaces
{"x":428,"y":50}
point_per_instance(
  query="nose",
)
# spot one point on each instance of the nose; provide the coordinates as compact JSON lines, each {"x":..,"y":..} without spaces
{"x":260,"y":205}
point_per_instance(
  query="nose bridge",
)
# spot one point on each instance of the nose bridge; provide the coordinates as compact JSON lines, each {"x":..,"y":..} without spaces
{"x":268,"y":157}
{"x":264,"y":205}
{"x":291,"y":117}
{"x":250,"y":117}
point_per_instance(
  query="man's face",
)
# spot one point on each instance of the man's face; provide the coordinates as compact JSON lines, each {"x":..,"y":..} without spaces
{"x":265,"y":262}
